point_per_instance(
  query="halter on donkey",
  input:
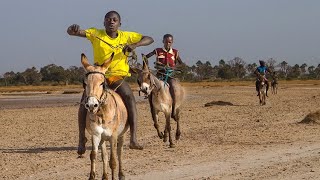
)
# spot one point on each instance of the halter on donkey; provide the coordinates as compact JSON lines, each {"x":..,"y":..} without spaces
{"x":160,"y":100}
{"x":106,"y":118}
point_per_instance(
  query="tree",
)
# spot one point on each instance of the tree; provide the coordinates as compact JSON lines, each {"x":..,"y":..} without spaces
{"x":238,"y":67}
{"x":204,"y":70}
{"x":311,"y":71}
{"x":303,"y":68}
{"x":317,"y":72}
{"x":284,"y":69}
{"x":222,"y":63}
{"x":75,"y":74}
{"x":31,"y":76}
{"x":184,"y":73}
{"x":294,"y":71}
{"x":9,"y":78}
{"x":53,"y":72}
{"x":251,"y":68}
{"x":271,"y":64}
{"x":225,"y":72}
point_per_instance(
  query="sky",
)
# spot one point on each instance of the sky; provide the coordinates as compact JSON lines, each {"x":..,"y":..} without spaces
{"x":33,"y":32}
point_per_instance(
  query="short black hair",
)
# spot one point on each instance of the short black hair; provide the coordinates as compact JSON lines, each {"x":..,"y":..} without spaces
{"x":167,"y":36}
{"x":113,"y":12}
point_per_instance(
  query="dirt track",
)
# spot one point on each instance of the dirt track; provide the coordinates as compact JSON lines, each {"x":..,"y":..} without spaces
{"x":243,"y":141}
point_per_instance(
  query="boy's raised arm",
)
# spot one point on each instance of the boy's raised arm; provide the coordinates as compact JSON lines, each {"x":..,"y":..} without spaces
{"x":74,"y":30}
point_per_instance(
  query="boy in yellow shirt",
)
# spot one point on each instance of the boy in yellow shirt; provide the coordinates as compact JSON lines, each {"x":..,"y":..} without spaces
{"x":105,"y":42}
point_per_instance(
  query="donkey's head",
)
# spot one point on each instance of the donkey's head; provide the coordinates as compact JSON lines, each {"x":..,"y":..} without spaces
{"x":95,"y":83}
{"x":145,"y":78}
{"x":262,"y":80}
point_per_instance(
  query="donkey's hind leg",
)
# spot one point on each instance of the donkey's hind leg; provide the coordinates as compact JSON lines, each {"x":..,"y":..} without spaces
{"x":168,"y":131}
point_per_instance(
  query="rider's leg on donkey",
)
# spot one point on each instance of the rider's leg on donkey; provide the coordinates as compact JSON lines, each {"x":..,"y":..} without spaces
{"x":171,"y":89}
{"x":82,"y":113}
{"x":267,"y":82}
{"x":124,"y":90}
{"x":257,"y":87}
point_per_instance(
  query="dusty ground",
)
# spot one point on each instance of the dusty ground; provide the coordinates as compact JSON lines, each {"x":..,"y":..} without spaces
{"x":244,"y":141}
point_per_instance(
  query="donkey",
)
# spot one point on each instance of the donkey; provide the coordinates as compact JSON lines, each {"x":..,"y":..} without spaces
{"x":160,"y":101}
{"x":262,"y":88}
{"x":274,"y":86}
{"x":106,"y":118}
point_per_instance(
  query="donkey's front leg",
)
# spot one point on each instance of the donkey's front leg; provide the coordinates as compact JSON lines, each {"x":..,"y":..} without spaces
{"x":113,"y":162}
{"x":104,"y":155}
{"x":260,"y":98}
{"x":119,"y":153}
{"x":93,"y":155}
{"x":155,"y":118}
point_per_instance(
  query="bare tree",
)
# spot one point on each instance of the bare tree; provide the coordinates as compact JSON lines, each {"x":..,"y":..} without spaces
{"x":238,"y":66}
{"x":271,"y":64}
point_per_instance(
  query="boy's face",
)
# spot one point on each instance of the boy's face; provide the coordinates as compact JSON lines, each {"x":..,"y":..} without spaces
{"x":112,"y":22}
{"x":168,"y":42}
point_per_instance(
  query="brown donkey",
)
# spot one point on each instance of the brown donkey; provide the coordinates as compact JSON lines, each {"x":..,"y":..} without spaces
{"x":106,"y":118}
{"x":274,"y":86}
{"x":160,"y":101}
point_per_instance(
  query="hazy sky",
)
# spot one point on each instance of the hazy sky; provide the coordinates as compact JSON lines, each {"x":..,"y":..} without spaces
{"x":33,"y":32}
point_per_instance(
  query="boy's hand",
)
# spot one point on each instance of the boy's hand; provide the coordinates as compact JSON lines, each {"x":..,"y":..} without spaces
{"x":74,"y":29}
{"x":129,"y":48}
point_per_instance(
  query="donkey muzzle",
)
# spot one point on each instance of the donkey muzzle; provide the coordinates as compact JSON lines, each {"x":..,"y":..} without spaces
{"x":92,"y":104}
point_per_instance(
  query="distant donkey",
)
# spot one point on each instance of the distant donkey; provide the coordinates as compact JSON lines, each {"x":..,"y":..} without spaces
{"x":274,"y":83}
{"x":262,"y":89}
{"x":106,"y":118}
{"x":160,"y":101}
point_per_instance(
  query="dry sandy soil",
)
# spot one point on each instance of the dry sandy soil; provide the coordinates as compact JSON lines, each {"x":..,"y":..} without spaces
{"x":240,"y":141}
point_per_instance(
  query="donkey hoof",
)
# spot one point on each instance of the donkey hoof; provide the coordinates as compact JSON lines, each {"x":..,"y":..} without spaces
{"x":165,"y":139}
{"x":172,"y":145}
{"x":160,"y":135}
{"x":177,"y":137}
{"x":122,"y":177}
{"x":92,"y":176}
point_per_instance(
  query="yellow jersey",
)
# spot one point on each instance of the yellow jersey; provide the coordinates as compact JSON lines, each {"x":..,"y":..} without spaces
{"x":102,"y":51}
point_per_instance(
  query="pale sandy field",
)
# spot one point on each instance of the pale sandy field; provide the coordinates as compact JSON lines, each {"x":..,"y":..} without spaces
{"x":244,"y":141}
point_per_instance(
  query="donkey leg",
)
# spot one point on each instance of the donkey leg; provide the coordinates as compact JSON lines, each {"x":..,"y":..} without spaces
{"x":119,"y":153}
{"x":155,"y":117}
{"x":168,"y":129}
{"x":113,"y":162}
{"x":93,"y":156}
{"x":260,"y":98}
{"x":104,"y":156}
{"x":177,"y":119}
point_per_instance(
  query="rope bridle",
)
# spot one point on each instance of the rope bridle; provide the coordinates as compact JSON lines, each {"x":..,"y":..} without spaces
{"x":103,"y":96}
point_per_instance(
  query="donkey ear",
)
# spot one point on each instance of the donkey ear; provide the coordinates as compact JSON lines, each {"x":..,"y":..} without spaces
{"x":144,"y":61}
{"x":85,"y":61}
{"x":107,"y":62}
